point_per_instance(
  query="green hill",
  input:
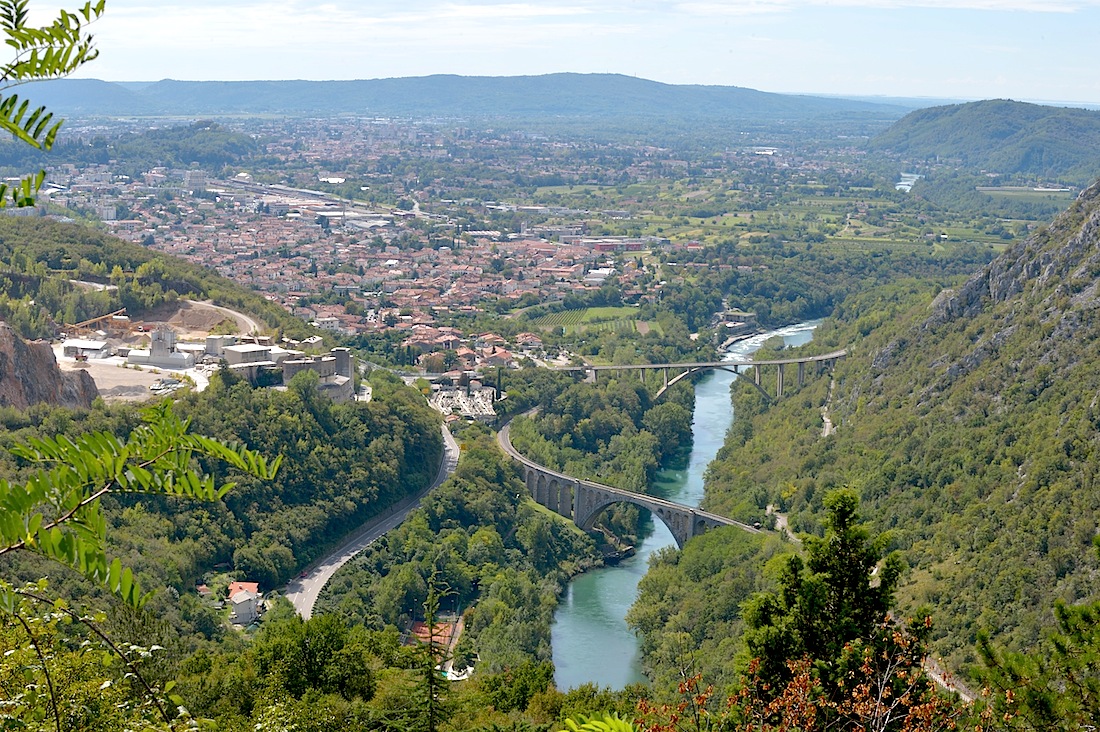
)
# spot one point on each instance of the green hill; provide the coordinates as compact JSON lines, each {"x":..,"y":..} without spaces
{"x":1000,"y":136}
{"x":969,"y":422}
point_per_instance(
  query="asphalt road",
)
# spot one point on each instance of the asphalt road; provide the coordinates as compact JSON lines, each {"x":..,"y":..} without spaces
{"x":303,"y":592}
{"x":246,"y":322}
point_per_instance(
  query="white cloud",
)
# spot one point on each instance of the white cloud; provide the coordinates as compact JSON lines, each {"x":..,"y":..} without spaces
{"x":505,"y":11}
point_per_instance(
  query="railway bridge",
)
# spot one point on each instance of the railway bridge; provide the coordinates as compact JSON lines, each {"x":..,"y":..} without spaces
{"x":583,"y":500}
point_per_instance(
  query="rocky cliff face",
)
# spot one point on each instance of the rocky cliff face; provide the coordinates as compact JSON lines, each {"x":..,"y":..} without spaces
{"x":1065,"y":257}
{"x":29,"y":375}
{"x":1053,"y":276}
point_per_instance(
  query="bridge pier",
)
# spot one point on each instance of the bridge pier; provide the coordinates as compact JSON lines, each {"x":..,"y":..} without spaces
{"x":562,"y":498}
{"x":820,"y":363}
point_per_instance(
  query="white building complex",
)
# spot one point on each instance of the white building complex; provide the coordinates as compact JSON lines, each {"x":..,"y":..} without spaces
{"x":161,"y":352}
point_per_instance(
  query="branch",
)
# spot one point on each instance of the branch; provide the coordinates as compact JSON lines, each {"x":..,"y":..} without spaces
{"x":107,"y":641}
{"x":45,"y":669}
{"x":84,"y":502}
{"x":75,"y":475}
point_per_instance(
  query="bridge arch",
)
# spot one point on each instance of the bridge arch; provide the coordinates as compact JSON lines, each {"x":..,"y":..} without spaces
{"x":582,"y":500}
{"x":712,"y":367}
{"x":686,"y":369}
{"x":597,"y":501}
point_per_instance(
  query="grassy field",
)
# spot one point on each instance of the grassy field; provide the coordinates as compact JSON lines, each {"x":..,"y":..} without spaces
{"x":842,"y":219}
{"x":1063,"y":198}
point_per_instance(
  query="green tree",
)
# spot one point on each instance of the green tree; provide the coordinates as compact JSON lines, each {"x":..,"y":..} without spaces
{"x":46,"y":52}
{"x":432,"y":690}
{"x":825,"y":602}
{"x":317,"y":654}
{"x":670,"y":423}
{"x":1057,"y":686}
{"x":825,"y":653}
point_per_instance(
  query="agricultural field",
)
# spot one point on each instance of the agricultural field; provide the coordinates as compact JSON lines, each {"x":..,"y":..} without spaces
{"x":590,"y":321}
{"x":789,"y":208}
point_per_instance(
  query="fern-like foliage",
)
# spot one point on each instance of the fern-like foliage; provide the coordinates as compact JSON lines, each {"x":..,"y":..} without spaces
{"x":606,"y":722}
{"x":40,"y":53}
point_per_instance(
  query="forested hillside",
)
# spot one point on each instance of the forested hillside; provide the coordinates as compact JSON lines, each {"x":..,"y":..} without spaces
{"x":1002,"y":137}
{"x":203,"y":143}
{"x":968,"y":423}
{"x":344,"y":463}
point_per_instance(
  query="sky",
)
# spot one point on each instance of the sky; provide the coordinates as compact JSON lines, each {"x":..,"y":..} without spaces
{"x":1029,"y":50}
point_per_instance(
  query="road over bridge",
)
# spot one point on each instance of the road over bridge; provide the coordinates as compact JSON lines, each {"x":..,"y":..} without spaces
{"x":583,"y":500}
{"x":683,"y":370}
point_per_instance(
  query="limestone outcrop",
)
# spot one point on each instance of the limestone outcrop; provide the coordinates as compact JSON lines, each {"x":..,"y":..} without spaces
{"x":29,"y":375}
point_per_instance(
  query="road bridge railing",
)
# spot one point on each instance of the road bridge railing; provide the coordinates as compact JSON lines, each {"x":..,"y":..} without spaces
{"x":583,"y":500}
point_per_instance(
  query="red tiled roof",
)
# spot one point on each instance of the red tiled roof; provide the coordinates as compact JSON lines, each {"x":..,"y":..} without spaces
{"x":235,"y":587}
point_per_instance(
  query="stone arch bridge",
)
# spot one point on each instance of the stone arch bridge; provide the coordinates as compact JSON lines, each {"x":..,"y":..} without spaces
{"x":676,"y":372}
{"x":583,"y":500}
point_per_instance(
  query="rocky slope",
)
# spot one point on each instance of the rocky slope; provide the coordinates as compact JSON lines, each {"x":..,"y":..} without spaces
{"x":970,"y":423}
{"x":29,"y":375}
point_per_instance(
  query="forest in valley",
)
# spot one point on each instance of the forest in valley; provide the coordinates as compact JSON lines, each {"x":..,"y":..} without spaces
{"x":947,"y":524}
{"x":901,"y":536}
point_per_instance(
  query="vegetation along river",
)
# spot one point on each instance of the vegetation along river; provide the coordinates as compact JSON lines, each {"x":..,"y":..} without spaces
{"x":591,"y":642}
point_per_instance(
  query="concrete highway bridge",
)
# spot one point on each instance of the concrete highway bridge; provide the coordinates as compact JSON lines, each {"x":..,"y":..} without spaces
{"x":583,"y":500}
{"x":676,"y":372}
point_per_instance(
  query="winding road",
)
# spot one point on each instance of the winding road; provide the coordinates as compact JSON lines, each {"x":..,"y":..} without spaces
{"x":246,"y":322}
{"x":303,"y":592}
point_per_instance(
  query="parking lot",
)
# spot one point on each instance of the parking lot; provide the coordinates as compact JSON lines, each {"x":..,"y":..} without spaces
{"x":118,"y":382}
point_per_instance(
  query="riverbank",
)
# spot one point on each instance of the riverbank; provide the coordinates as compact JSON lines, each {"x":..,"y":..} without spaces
{"x":590,"y":623}
{"x":734,"y":340}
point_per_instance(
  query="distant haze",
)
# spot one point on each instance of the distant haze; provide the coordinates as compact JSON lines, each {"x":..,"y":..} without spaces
{"x":1038,"y":50}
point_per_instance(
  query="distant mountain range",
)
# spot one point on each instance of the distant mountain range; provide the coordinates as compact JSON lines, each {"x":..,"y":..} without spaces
{"x":1001,"y":136}
{"x":552,"y":95}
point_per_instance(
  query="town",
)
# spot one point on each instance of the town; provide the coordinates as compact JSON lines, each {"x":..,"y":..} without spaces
{"x":362,"y":226}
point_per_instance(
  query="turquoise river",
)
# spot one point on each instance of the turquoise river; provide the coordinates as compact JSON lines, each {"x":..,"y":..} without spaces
{"x":591,"y":641}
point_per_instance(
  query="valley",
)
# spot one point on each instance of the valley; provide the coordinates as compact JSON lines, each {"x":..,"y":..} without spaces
{"x":922,"y":469}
